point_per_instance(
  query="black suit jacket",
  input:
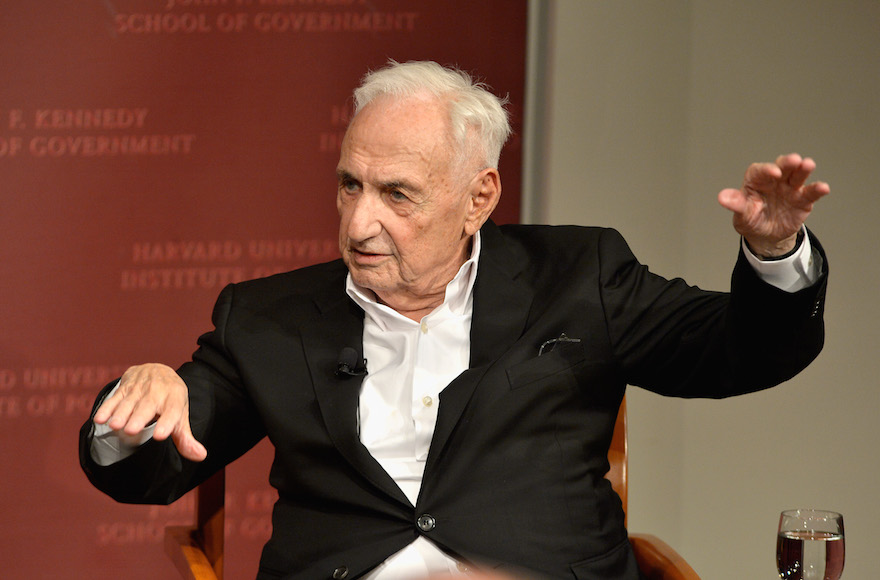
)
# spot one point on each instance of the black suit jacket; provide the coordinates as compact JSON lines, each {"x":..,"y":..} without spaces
{"x":515,"y":473}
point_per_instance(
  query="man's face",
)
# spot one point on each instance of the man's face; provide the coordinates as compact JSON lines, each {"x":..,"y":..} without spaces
{"x":403,"y":201}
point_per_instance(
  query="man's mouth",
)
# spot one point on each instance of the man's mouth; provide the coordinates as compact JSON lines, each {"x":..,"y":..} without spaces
{"x":366,"y":257}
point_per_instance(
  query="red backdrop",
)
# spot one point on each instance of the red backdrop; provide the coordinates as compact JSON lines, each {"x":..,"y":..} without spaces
{"x":150,"y":153}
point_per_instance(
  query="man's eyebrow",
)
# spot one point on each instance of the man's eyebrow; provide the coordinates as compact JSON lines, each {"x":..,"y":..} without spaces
{"x":343,"y":175}
{"x":399,"y":184}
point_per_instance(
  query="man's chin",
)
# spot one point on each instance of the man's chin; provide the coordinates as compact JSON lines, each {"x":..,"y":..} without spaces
{"x":368,"y":278}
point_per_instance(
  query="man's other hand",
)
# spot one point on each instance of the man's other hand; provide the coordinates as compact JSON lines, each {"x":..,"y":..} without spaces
{"x":152,"y":393}
{"x":774,"y":203}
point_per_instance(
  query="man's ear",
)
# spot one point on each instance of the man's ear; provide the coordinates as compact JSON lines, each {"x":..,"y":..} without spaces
{"x":485,"y":191}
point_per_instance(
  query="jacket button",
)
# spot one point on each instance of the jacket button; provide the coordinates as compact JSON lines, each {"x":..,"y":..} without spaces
{"x":426,"y":522}
{"x":340,"y":573}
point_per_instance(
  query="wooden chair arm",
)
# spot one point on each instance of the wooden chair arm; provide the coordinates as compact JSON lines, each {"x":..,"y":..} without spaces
{"x":187,"y":554}
{"x":197,"y":551}
{"x":658,"y":561}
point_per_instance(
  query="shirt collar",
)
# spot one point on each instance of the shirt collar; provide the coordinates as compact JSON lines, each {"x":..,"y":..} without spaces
{"x":457,"y":299}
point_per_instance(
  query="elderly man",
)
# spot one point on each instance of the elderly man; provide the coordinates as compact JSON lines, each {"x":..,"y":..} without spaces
{"x":445,"y":394}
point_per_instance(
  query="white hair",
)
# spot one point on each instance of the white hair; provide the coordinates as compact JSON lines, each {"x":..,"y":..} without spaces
{"x":471,"y":104}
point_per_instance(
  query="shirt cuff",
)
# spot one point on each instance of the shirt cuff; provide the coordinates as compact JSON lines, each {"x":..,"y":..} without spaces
{"x":792,"y":273}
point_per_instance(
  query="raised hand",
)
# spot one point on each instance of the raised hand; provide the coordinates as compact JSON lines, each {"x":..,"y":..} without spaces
{"x":147,"y":393}
{"x":773,"y":203}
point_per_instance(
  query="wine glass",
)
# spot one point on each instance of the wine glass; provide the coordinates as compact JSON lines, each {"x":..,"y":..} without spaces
{"x":810,"y":545}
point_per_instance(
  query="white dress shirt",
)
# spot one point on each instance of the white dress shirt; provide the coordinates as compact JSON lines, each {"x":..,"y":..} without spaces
{"x":409,"y":364}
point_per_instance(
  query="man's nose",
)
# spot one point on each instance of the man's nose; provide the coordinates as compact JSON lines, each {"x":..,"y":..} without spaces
{"x":364,"y":222}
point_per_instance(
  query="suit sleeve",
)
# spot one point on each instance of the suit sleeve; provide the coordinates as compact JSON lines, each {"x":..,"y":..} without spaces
{"x":678,"y":340}
{"x":221,"y":416}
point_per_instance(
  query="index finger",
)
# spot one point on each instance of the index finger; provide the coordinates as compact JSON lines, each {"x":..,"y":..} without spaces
{"x":763,"y":173}
{"x":107,"y":406}
{"x":795,"y":169}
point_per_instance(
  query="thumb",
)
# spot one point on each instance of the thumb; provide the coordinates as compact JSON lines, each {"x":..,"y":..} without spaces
{"x":186,"y":443}
{"x":732,"y":199}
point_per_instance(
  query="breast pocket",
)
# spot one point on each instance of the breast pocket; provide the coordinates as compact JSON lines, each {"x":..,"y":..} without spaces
{"x":562,"y":362}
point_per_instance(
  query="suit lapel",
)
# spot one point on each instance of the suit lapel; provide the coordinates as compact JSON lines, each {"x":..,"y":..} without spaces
{"x":501,"y":306}
{"x":340,"y":324}
{"x":502,"y":300}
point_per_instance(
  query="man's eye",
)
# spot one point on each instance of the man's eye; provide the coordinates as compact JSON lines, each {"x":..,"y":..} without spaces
{"x":349,"y":185}
{"x":397,"y":195}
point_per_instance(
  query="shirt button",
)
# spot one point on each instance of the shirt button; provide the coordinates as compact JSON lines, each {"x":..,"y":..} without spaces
{"x":462,"y":567}
{"x":427,"y":401}
{"x":426,"y":522}
{"x":424,"y":327}
{"x":340,"y":573}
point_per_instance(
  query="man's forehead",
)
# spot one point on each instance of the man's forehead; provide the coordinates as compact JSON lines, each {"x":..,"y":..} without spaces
{"x":394,"y":142}
{"x":412,"y":118}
